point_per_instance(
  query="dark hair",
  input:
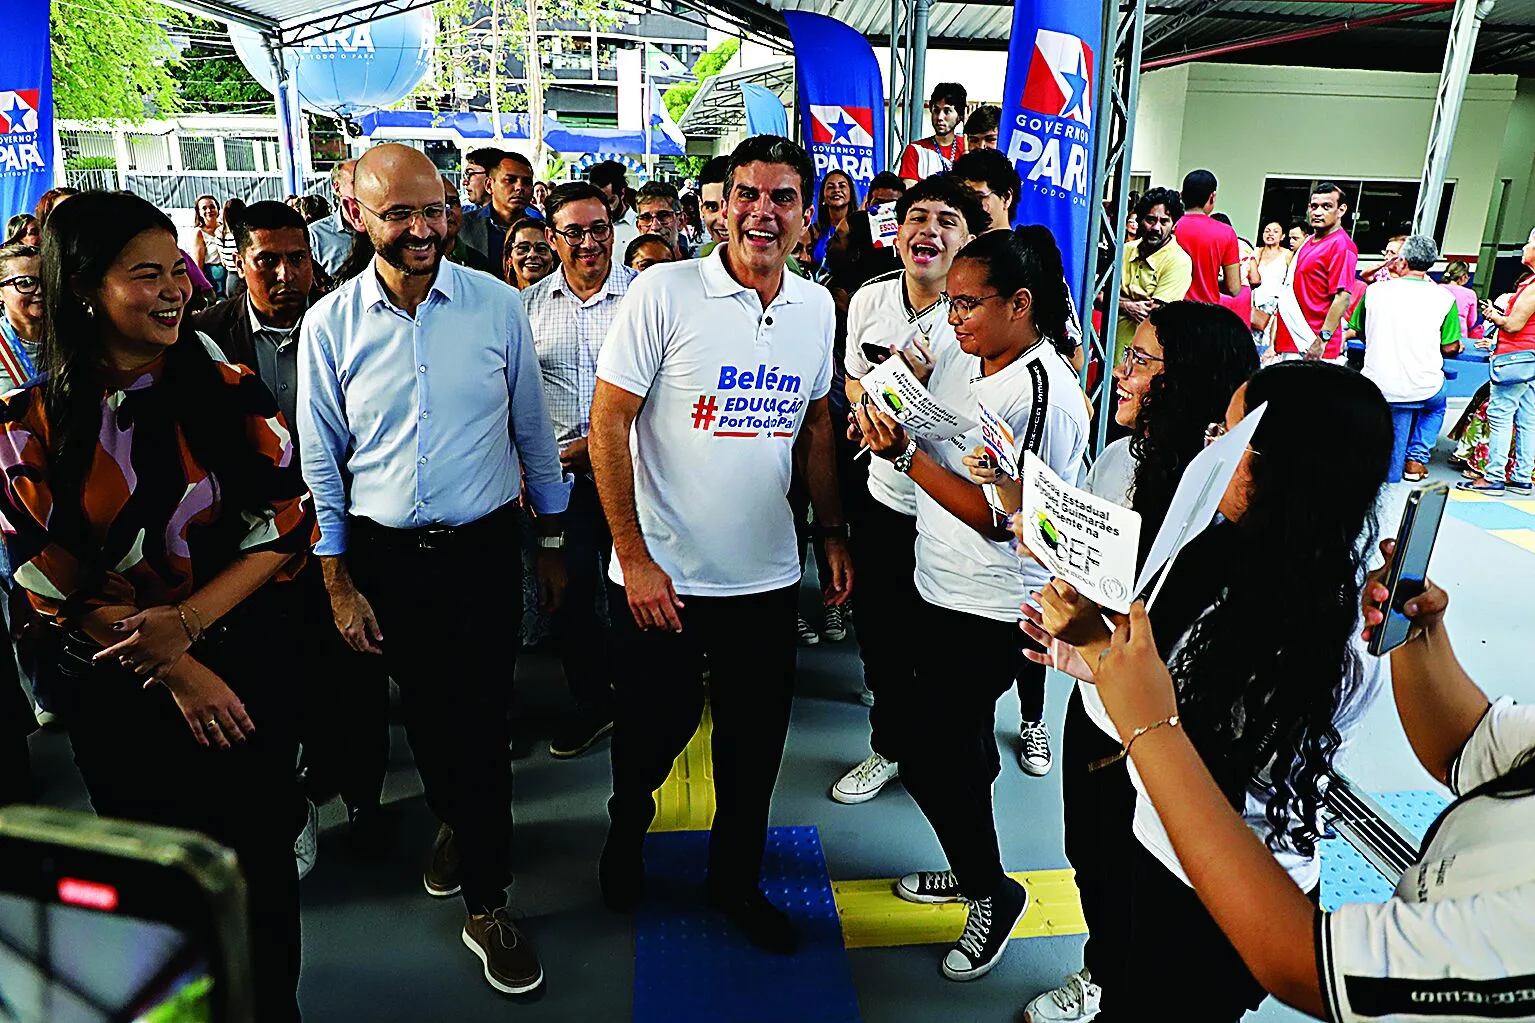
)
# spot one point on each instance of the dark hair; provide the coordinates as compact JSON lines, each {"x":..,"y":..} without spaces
{"x":610,"y":173}
{"x":357,"y":257}
{"x":17,"y":226}
{"x":234,"y":209}
{"x":822,"y":211}
{"x":1262,"y":676}
{"x":84,"y":238}
{"x":715,"y":172}
{"x":887,"y":179}
{"x":1027,"y":257}
{"x":49,"y":200}
{"x":1207,"y":353}
{"x":314,"y":207}
{"x":951,"y":93}
{"x":642,"y":241}
{"x":1221,"y":218}
{"x":561,"y":196}
{"x":515,"y":157}
{"x":1198,"y":186}
{"x":1455,"y":270}
{"x":657,"y":190}
{"x":508,"y":272}
{"x":1155,"y":197}
{"x":982,"y":119}
{"x":485,"y":156}
{"x":948,"y":189}
{"x":774,"y":149}
{"x":268,"y":215}
{"x":994,"y":168}
{"x":1327,"y":187}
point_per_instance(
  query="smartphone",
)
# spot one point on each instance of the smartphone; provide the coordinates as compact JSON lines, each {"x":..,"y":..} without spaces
{"x":116,"y":920}
{"x":1408,"y":570}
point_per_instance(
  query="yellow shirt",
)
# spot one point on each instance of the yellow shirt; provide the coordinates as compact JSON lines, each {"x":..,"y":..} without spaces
{"x":1165,"y":275}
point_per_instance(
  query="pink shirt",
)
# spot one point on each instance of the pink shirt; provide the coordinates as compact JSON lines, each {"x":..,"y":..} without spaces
{"x":1212,"y":246}
{"x":1323,"y":267}
{"x":1465,"y":302}
{"x":1242,"y":305}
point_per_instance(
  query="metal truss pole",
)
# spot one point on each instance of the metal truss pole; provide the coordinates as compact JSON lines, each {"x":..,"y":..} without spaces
{"x":916,"y":95}
{"x":1118,"y":92}
{"x":898,"y":111}
{"x":288,"y":125}
{"x":1464,"y":28}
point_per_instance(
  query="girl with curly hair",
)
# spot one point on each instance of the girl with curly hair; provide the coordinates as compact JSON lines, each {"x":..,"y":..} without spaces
{"x":1258,"y":621}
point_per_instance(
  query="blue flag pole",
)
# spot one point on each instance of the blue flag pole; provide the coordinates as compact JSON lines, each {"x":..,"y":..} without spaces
{"x":26,"y":108}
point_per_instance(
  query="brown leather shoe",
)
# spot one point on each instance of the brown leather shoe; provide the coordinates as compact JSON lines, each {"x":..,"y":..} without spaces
{"x":441,"y":878}
{"x":1412,"y":472}
{"x":511,"y":964}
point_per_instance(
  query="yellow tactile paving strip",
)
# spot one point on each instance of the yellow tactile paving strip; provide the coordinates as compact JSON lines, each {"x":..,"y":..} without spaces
{"x":1520,"y":537}
{"x":685,"y":801}
{"x":874,"y":917}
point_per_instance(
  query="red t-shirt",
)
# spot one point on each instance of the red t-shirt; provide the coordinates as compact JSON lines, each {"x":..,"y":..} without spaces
{"x":1521,"y":340}
{"x":924,"y":158}
{"x":1323,"y":267}
{"x":1212,"y":246}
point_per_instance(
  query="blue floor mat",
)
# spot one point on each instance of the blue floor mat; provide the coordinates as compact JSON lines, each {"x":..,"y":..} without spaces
{"x":691,"y":965}
{"x":1491,"y":515}
{"x":1348,"y":877}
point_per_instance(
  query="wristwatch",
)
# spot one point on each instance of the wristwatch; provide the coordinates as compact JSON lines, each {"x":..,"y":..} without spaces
{"x":902,"y":462}
{"x":552,"y":543}
{"x":833,"y":531}
{"x":1325,"y":335}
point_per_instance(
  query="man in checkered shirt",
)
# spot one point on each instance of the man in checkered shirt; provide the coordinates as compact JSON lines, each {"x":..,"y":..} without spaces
{"x":570,"y":312}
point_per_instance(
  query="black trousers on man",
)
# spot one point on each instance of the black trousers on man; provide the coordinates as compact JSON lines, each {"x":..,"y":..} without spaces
{"x":140,"y":762}
{"x":447,"y":602}
{"x":749,"y":641}
{"x":948,"y":766}
{"x":580,"y":635}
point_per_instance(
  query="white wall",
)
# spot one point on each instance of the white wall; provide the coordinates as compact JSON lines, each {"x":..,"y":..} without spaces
{"x":1245,"y":122}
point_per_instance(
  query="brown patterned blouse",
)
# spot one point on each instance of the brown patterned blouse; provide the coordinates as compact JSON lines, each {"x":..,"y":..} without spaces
{"x":152,"y":526}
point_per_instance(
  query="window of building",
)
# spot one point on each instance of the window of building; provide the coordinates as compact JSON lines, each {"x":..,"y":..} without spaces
{"x":1377,"y":209}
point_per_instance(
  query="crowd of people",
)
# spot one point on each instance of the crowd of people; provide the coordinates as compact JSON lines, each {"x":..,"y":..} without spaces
{"x":454,"y":387}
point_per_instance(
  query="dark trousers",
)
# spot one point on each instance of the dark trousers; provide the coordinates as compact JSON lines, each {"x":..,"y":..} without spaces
{"x":804,"y":534}
{"x":345,"y":725}
{"x":1030,"y":678}
{"x":140,"y":762}
{"x":884,"y":564}
{"x":1099,"y":807}
{"x":447,"y":610}
{"x":749,"y":641}
{"x":948,"y":768}
{"x":581,"y":636}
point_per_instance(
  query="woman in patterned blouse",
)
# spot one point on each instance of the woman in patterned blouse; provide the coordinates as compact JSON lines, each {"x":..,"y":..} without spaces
{"x":151,"y":495}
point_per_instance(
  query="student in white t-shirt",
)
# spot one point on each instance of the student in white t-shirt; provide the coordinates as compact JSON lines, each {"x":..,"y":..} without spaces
{"x":1176,"y":379}
{"x":1258,"y":621}
{"x":1456,"y":942}
{"x":902,"y":312}
{"x":712,"y":381}
{"x":1008,"y":306}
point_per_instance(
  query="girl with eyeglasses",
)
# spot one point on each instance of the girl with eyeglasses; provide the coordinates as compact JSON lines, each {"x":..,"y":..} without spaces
{"x":1176,"y":378}
{"x":1258,"y":622}
{"x":23,"y":229}
{"x":21,"y":314}
{"x":527,"y":257}
{"x":1008,"y":307}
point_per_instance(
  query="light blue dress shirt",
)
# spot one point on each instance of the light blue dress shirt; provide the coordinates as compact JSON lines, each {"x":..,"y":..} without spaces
{"x":434,"y":418}
{"x":330,"y":241}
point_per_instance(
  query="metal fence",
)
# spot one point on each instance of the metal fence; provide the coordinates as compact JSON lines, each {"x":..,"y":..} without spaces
{"x":180,"y":191}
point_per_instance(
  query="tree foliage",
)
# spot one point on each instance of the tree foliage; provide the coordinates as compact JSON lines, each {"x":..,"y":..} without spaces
{"x":111,"y":62}
{"x":710,"y":64}
{"x":210,"y":76}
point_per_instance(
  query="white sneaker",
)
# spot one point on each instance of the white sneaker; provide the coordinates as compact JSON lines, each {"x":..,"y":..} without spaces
{"x":863,"y":782}
{"x":1035,"y":755}
{"x":807,"y":635}
{"x":929,"y":887}
{"x":306,"y":847}
{"x":1075,"y":1002}
{"x":866,"y":695}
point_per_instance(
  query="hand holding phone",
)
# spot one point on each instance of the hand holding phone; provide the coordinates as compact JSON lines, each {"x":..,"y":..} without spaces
{"x":1405,"y":578}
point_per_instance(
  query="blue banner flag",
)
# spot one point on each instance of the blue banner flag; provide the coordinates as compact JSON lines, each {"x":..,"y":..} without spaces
{"x":765,"y":114}
{"x":1047,"y":126}
{"x":841,"y":98}
{"x":26,"y":108}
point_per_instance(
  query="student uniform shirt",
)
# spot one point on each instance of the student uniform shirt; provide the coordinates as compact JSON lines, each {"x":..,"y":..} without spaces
{"x":923,"y":158}
{"x":1457,"y":940}
{"x":726,"y":384}
{"x":1038,"y":396}
{"x":880,"y":314}
{"x":1112,"y":477}
{"x":1405,"y":323}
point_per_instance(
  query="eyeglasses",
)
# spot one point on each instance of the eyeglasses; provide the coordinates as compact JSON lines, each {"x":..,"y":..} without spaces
{"x":600,"y":232}
{"x":658,"y":217}
{"x":25,"y":284}
{"x":965,"y":305}
{"x":1134,"y":357}
{"x":400,"y":215}
{"x":470,"y":175}
{"x":527,"y":248}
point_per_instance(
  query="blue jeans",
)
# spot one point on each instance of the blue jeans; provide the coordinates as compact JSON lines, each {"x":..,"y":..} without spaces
{"x":1511,"y":422}
{"x":1415,"y":430}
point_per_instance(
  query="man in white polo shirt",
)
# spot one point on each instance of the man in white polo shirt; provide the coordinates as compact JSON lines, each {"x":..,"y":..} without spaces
{"x":712,"y":381}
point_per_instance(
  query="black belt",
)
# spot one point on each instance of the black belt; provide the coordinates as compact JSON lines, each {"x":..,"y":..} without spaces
{"x":501,"y":523}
